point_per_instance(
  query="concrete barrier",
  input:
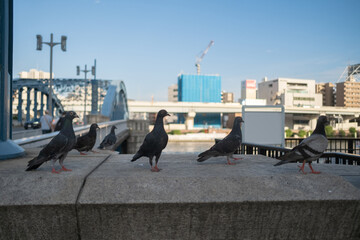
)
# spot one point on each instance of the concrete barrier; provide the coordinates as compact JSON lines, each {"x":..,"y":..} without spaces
{"x":108,"y":197}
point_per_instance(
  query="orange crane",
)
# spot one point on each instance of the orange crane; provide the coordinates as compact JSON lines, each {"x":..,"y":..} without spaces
{"x":199,"y":59}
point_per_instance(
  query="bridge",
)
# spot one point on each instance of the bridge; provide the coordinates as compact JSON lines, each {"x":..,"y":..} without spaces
{"x":33,"y":87}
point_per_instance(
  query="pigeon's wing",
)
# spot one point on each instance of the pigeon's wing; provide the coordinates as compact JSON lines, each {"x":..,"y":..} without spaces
{"x":81,"y":141}
{"x":112,"y":139}
{"x":147,"y":148}
{"x":53,"y":149}
{"x":309,"y":149}
{"x":228,"y":145}
{"x":55,"y":146}
{"x":105,"y":141}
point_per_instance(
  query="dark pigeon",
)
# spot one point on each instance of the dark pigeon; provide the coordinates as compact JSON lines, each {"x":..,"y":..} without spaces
{"x":154,"y":142}
{"x":310,"y":149}
{"x":227,"y":146}
{"x":109,"y":139}
{"x":58,"y":147}
{"x":86,"y":142}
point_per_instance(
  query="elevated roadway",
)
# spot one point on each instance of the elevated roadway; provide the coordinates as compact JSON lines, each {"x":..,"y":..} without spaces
{"x":199,"y":107}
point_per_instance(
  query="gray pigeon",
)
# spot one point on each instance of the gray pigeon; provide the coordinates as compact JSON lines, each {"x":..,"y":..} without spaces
{"x":154,"y":142}
{"x":227,"y":146}
{"x":310,"y":149}
{"x":109,"y":139}
{"x":58,"y":147}
{"x":86,"y":142}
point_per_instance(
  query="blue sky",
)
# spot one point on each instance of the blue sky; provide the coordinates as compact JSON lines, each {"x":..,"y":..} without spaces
{"x":148,"y":43}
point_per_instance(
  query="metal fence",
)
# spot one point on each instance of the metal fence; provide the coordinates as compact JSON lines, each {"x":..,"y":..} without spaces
{"x":275,"y":152}
{"x":340,"y":145}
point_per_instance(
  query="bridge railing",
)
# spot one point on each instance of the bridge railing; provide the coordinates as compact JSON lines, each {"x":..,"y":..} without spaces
{"x":335,"y":144}
{"x":41,"y":140}
{"x":275,"y":152}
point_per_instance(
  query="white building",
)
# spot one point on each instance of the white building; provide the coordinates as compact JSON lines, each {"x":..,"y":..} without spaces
{"x":35,"y":74}
{"x":248,"y":89}
{"x":173,"y":93}
{"x":290,"y":92}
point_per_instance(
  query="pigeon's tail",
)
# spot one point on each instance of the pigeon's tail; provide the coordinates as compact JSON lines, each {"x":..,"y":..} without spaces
{"x":206,"y":155}
{"x":136,"y":156}
{"x":280,"y":163}
{"x":286,"y":158}
{"x":34,"y":164}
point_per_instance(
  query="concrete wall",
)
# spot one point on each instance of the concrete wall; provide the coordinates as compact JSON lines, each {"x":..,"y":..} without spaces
{"x":138,"y":130}
{"x":108,"y":197}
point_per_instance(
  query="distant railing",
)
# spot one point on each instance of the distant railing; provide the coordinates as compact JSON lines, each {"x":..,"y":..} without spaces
{"x":275,"y":152}
{"x":343,"y":145}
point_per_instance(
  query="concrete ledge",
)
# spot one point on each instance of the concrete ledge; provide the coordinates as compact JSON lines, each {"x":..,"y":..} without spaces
{"x":108,"y":197}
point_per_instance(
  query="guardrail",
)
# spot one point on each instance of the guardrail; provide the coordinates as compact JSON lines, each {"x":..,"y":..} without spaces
{"x":343,"y":144}
{"x":275,"y":152}
{"x":41,"y":140}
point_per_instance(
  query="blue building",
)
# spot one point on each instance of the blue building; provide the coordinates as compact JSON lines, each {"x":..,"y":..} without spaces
{"x":200,"y":88}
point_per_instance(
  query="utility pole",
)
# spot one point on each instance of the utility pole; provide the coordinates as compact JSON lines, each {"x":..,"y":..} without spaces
{"x":85,"y":84}
{"x":51,"y":44}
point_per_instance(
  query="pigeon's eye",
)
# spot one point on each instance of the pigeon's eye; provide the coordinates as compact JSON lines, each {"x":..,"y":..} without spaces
{"x":71,"y":113}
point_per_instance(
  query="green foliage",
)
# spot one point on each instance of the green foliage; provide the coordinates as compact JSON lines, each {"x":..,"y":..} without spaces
{"x":309,"y":132}
{"x":352,"y":131}
{"x":342,"y":133}
{"x":288,"y":133}
{"x":175,"y":132}
{"x":329,"y":131}
{"x":302,"y":133}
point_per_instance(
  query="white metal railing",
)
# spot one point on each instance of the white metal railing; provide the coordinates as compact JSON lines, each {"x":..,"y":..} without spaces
{"x":41,"y":140}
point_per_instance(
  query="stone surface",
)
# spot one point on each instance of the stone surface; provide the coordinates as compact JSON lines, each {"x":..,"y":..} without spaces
{"x":108,"y":197}
{"x":39,"y":204}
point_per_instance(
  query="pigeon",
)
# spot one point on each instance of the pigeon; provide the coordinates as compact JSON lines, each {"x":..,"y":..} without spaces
{"x":58,"y":147}
{"x":109,"y":139}
{"x":154,"y":142}
{"x":310,"y":149}
{"x":227,"y":146}
{"x":86,"y":142}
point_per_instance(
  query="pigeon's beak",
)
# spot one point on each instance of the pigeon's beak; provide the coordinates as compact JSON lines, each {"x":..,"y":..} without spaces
{"x":168,"y":114}
{"x":76,"y":116}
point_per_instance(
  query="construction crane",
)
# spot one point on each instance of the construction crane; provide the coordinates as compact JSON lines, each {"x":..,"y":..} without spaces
{"x":199,"y":59}
{"x":352,"y":73}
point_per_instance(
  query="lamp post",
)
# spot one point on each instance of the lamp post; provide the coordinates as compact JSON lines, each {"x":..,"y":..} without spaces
{"x":85,"y":84}
{"x":51,"y":44}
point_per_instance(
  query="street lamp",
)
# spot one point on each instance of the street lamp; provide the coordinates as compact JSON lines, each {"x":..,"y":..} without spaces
{"x":51,"y":44}
{"x":85,"y":83}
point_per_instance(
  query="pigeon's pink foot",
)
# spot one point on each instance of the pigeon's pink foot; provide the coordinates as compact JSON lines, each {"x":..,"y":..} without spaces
{"x":65,"y":169}
{"x":302,"y":168}
{"x":54,"y":171}
{"x":312,"y":170}
{"x":94,"y":151}
{"x":237,"y":158}
{"x":81,"y":153}
{"x":155,"y":169}
{"x":230,"y":163}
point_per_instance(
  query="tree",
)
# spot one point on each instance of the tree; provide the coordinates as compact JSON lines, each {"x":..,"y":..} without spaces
{"x":342,"y":133}
{"x":302,"y":133}
{"x":288,"y":133}
{"x":329,"y":131}
{"x":352,"y":131}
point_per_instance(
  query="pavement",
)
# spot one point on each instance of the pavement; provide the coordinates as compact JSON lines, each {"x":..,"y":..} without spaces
{"x":106,"y":196}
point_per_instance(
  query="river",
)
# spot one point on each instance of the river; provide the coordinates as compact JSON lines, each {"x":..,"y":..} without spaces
{"x":187,"y":147}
